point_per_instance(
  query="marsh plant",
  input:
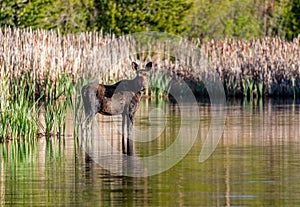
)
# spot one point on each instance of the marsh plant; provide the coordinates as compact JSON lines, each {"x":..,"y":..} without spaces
{"x":24,"y":100}
{"x":18,"y":108}
{"x":40,"y":72}
{"x":269,"y":65}
{"x":55,"y":102}
{"x":159,"y":85}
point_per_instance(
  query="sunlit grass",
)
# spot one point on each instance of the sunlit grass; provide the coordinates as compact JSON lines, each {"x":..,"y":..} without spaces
{"x":22,"y":105}
{"x":159,"y":85}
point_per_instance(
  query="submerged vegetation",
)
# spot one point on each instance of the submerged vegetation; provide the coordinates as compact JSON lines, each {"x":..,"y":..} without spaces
{"x":41,"y":73}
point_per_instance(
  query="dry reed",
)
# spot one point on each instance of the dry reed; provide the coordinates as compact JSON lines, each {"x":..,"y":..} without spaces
{"x":272,"y":65}
{"x":267,"y":66}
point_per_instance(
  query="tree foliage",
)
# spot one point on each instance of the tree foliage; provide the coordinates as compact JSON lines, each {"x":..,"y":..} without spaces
{"x":224,"y":18}
{"x":204,"y":19}
{"x":290,"y":19}
{"x":11,"y":12}
{"x":244,"y":18}
{"x":134,"y":16}
{"x":66,"y":15}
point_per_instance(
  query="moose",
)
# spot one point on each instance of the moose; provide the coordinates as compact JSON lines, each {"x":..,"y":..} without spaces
{"x":122,"y":98}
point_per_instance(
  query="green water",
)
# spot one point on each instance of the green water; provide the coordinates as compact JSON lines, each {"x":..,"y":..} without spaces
{"x":256,"y":163}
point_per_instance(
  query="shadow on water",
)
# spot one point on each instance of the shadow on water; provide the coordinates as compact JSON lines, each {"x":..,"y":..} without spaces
{"x":256,"y":163}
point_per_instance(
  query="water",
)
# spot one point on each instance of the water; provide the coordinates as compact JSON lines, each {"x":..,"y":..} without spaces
{"x":256,"y":163}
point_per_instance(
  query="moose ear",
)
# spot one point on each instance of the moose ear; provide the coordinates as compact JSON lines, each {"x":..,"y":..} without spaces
{"x":149,"y":66}
{"x":135,"y":66}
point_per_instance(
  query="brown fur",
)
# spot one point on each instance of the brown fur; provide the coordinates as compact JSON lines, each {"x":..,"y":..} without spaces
{"x":122,"y":97}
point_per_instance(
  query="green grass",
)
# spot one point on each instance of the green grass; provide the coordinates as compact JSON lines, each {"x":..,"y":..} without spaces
{"x":159,"y":85}
{"x":24,"y":100}
{"x":18,"y":108}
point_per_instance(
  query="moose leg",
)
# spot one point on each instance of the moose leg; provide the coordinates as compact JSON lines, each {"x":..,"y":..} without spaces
{"x":129,"y":134}
{"x":90,"y":103}
{"x":123,"y":133}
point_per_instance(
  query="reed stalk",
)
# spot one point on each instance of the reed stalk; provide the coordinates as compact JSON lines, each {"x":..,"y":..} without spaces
{"x":293,"y":86}
{"x":245,"y":84}
{"x":251,"y":89}
{"x":40,"y":70}
{"x":73,"y":54}
{"x":260,"y":86}
{"x":159,"y":85}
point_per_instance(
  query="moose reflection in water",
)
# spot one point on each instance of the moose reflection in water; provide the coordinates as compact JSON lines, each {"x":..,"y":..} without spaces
{"x":122,"y":97}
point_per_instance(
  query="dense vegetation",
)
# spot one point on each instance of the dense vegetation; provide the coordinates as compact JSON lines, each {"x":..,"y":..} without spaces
{"x":195,"y":19}
{"x":38,"y":65}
